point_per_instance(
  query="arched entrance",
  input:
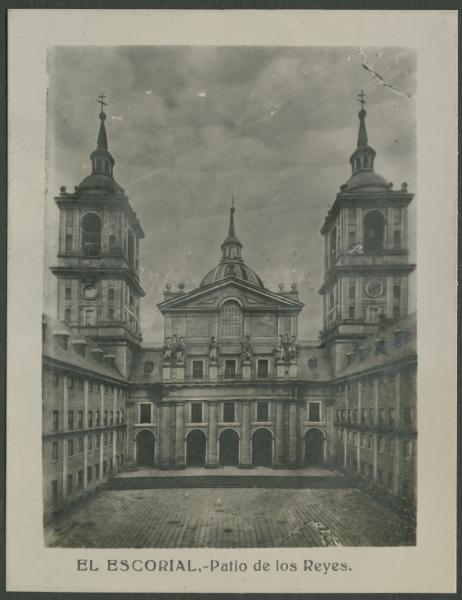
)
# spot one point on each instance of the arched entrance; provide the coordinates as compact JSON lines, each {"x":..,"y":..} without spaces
{"x":229,"y":448}
{"x":145,"y":448}
{"x":314,"y":447}
{"x":262,"y":448}
{"x":196,"y":443}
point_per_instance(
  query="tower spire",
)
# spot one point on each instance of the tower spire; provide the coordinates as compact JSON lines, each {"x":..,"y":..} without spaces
{"x":101,"y":159}
{"x":362,"y":158}
{"x":231,"y":232}
{"x":231,"y":247}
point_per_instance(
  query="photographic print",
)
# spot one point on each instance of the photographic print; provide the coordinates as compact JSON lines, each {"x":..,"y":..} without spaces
{"x":229,"y":332}
{"x":232,"y":296}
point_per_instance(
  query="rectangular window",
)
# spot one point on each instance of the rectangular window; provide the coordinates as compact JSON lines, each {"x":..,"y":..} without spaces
{"x":55,"y":420}
{"x":54,"y":491}
{"x":262,"y":411}
{"x":198,"y":369}
{"x":90,"y":442}
{"x":80,"y":444}
{"x":262,"y":368}
{"x":70,"y":484}
{"x":352,"y":290}
{"x":70,"y":419}
{"x":370,"y":442}
{"x":145,"y":413}
{"x":90,"y":418}
{"x":104,"y":467}
{"x":228,"y":412}
{"x":230,"y":369}
{"x":80,"y":479}
{"x":80,"y":421}
{"x":314,"y":411}
{"x":371,"y":416}
{"x":67,"y":314}
{"x":111,"y":465}
{"x":110,"y":314}
{"x":97,"y":473}
{"x":70,"y":382}
{"x":382,"y":416}
{"x":54,"y":451}
{"x":118,"y":417}
{"x":90,"y":386}
{"x":89,"y":474}
{"x":196,"y":412}
{"x":80,"y":383}
{"x":98,"y":440}
{"x":70,"y":447}
{"x":67,"y":294}
{"x":391,"y":417}
{"x":363,"y":416}
{"x":105,"y":417}
{"x":98,"y":418}
{"x":105,"y":439}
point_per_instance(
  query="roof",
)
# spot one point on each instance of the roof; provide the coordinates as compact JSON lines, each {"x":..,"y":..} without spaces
{"x":53,"y":350}
{"x":232,"y":268}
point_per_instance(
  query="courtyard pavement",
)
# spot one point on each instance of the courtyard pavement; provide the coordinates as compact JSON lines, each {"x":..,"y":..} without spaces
{"x":229,"y":518}
{"x":228,"y":471}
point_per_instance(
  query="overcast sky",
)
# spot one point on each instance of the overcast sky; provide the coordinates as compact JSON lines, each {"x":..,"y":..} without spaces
{"x":190,"y":127}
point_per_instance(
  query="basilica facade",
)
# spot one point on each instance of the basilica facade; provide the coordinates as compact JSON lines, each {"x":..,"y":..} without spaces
{"x":231,"y":384}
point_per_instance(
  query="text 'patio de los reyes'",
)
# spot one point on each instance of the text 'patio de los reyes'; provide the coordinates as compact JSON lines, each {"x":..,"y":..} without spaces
{"x":231,"y":384}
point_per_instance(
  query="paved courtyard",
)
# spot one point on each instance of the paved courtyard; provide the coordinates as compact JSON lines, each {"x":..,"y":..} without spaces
{"x":229,"y":518}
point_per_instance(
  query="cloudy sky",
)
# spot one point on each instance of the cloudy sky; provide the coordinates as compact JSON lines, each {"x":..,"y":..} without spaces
{"x":190,"y":127}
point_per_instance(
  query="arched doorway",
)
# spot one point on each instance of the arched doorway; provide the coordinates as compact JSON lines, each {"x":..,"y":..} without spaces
{"x":145,"y":448}
{"x":262,"y":448}
{"x":374,"y":230}
{"x":196,"y":444}
{"x":229,"y":448}
{"x":314,"y":447}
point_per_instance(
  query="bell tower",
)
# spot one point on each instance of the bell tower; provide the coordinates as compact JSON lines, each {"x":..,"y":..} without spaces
{"x":99,"y":289}
{"x":366,"y":263}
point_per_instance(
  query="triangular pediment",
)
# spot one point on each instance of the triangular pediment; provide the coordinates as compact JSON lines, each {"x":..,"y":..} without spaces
{"x":211,"y":297}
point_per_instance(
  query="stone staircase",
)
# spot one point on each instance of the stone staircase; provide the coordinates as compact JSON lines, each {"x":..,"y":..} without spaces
{"x":227,"y":481}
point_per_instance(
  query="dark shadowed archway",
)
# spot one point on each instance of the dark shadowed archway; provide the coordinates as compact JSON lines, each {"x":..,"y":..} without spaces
{"x":229,"y":448}
{"x":145,"y":448}
{"x":262,"y":448}
{"x":196,"y":444}
{"x":314,"y":447}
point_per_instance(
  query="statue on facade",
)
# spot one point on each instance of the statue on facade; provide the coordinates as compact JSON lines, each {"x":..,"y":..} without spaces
{"x":213,"y":349}
{"x":293,"y":348}
{"x":287,"y":344}
{"x":180,"y":351}
{"x":246,"y":349}
{"x":280,"y":349}
{"x":167,"y":350}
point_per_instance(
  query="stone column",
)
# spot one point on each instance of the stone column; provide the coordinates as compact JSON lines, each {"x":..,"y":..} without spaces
{"x":65,"y":403}
{"x":292,"y":433}
{"x":244,"y":456}
{"x":165,"y":458}
{"x":85,"y":460}
{"x":376,"y":437}
{"x":212,"y":459}
{"x":114,"y":433}
{"x":64,"y":469}
{"x":179,"y":436}
{"x":396,"y":441}
{"x":279,"y":435}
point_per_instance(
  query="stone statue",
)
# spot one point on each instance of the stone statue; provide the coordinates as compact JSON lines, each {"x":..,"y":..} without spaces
{"x":180,"y":351}
{"x":213,"y":349}
{"x":293,"y":349}
{"x":286,"y":343}
{"x":280,"y":349}
{"x":167,"y":350}
{"x":246,"y":349}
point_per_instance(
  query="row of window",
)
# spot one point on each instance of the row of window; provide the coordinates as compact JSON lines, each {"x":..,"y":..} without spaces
{"x":230,"y":371}
{"x":229,"y":412}
{"x":384,"y":417}
{"x":109,"y":419}
{"x":76,"y":482}
{"x":384,"y":444}
{"x":368,"y":470}
{"x":108,"y":440}
{"x":93,"y":386}
{"x":406,"y":375}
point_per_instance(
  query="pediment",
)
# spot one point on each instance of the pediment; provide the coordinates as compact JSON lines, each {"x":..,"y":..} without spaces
{"x":212,"y":297}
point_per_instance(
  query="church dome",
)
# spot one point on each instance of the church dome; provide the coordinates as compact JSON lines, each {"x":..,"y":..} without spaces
{"x":365,"y":181}
{"x":232,"y":269}
{"x":100,"y":183}
{"x":231,"y":263}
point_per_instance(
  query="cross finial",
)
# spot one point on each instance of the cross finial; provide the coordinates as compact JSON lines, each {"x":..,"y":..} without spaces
{"x":362,"y":97}
{"x":101,"y":101}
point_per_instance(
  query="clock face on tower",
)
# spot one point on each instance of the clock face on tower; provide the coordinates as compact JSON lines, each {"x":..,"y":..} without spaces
{"x":374,"y":288}
{"x":90,"y":292}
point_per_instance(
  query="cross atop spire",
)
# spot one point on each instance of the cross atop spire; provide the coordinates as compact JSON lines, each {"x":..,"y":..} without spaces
{"x":101,"y":101}
{"x":361,"y":98}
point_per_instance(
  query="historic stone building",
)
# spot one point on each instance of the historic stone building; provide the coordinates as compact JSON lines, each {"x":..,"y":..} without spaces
{"x":231,"y":384}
